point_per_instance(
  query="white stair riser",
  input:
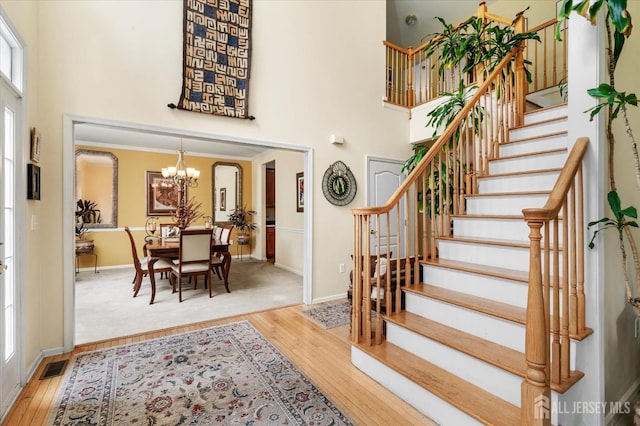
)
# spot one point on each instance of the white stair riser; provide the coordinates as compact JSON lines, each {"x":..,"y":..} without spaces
{"x":495,"y":380}
{"x":502,"y":229}
{"x":538,"y":129}
{"x":518,"y":183}
{"x":487,"y":254}
{"x":497,"y":289}
{"x":534,"y":145}
{"x":551,"y":160}
{"x":424,"y":401}
{"x":504,"y":205}
{"x":545,"y":114}
{"x":497,"y":330}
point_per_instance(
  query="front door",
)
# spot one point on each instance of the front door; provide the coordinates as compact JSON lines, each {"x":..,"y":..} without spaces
{"x":9,"y":348}
{"x":384,"y":177}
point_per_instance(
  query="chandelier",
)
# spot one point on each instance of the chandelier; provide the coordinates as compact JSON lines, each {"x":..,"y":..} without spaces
{"x":182,"y":176}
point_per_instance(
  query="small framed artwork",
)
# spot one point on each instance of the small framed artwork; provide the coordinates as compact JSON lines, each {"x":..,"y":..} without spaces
{"x":33,"y":182}
{"x":223,"y":199}
{"x":35,"y":145}
{"x":300,"y":192}
{"x":162,"y":198}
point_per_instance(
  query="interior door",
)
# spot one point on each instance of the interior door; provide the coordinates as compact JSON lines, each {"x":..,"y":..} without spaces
{"x":9,"y":348}
{"x":383,"y":178}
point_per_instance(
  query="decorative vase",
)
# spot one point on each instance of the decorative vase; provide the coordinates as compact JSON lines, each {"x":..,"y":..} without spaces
{"x":84,"y":246}
{"x":243,"y":239}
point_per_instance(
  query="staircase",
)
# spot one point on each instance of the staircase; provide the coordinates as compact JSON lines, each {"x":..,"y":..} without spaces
{"x":457,"y":353}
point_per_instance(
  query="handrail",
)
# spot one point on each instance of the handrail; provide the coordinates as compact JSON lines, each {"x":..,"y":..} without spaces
{"x":556,"y":299}
{"x":446,"y":135}
{"x":562,"y":185}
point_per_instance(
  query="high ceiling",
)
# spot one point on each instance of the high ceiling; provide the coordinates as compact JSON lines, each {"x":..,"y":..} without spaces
{"x":404,"y":35}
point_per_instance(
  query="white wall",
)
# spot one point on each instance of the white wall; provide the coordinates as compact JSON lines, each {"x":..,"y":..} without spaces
{"x":313,"y":74}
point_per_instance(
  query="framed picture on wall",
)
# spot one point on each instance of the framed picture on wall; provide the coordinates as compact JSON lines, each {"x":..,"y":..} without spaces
{"x":162,"y":199}
{"x":223,"y":199}
{"x":35,"y":145}
{"x":300,"y":192}
{"x":33,"y":182}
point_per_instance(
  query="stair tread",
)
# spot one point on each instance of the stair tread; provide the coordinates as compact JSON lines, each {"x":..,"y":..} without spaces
{"x":547,"y":108}
{"x":500,"y":356}
{"x":476,"y":402}
{"x":530,"y":138}
{"x":490,"y":307}
{"x":488,"y":216}
{"x":489,"y":241}
{"x":509,"y":274}
{"x":538,"y":123}
{"x":507,"y":194}
{"x":520,"y":173}
{"x":529,"y":154}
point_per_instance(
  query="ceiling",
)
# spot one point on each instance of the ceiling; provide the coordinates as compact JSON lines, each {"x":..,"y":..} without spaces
{"x":404,"y":35}
{"x":120,"y":136}
{"x":398,"y":32}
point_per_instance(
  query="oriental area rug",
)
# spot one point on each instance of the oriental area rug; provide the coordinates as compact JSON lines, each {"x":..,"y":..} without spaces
{"x":228,"y":374}
{"x":330,"y":316}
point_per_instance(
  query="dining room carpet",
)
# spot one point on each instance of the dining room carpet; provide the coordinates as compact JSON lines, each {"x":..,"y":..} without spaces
{"x":228,"y":374}
{"x":105,"y":307}
{"x":330,"y":315}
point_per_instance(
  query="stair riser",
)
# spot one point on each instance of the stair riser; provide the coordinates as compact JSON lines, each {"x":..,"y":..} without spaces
{"x":486,"y":254}
{"x":424,"y":401}
{"x":545,"y":114}
{"x":504,"y":205}
{"x":553,"y":160}
{"x":538,"y":129}
{"x":499,"y":382}
{"x":505,"y":229}
{"x":497,"y":289}
{"x":499,"y":331}
{"x":534,"y":145}
{"x":536,"y":182}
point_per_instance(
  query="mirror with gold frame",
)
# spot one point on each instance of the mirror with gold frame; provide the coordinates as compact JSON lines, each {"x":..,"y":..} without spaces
{"x":97,"y":183}
{"x":227,"y":189}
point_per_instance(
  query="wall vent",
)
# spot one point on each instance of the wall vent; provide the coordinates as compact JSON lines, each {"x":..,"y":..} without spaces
{"x":53,"y":369}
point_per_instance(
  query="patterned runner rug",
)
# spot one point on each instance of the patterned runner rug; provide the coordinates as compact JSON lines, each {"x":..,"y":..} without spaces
{"x":329,"y":316}
{"x":228,"y":374}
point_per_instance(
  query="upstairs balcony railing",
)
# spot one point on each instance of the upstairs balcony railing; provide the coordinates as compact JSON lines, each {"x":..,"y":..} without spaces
{"x":412,"y":77}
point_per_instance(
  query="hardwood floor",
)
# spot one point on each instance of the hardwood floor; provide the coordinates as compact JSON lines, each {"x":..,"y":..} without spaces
{"x":323,"y":355}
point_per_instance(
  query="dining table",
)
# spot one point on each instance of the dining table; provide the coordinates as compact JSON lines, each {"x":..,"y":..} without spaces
{"x":170,"y":248}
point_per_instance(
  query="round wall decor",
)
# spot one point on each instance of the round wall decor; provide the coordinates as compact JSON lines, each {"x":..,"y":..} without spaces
{"x":338,"y":184}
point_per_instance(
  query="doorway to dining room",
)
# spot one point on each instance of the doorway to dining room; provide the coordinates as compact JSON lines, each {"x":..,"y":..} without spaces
{"x":72,"y":127}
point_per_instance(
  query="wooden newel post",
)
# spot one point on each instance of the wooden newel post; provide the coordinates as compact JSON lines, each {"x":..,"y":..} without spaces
{"x":536,"y":394}
{"x":410,"y":93}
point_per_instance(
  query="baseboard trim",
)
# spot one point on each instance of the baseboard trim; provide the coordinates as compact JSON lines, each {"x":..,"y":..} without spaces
{"x":287,"y":268}
{"x":632,"y":393}
{"x":329,"y":298}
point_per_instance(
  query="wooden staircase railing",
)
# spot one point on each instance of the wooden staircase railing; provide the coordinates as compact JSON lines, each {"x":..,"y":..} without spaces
{"x":420,"y":210}
{"x":412,"y":78}
{"x":556,"y":300}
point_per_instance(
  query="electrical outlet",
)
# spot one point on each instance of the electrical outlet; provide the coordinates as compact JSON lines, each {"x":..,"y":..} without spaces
{"x":342,"y":268}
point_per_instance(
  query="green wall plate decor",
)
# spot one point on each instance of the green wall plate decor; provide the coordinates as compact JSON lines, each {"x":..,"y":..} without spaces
{"x":338,"y":184}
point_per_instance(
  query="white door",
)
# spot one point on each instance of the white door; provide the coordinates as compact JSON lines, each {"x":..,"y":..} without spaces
{"x":383,"y":178}
{"x":9,"y":347}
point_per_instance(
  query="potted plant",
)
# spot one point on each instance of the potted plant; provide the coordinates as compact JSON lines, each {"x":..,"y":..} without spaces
{"x":240,"y":218}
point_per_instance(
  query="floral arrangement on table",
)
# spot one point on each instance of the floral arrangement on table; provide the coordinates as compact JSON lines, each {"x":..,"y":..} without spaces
{"x":186,"y":213}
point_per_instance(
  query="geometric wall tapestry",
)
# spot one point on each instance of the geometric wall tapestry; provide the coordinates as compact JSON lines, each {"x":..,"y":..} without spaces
{"x":216,"y":57}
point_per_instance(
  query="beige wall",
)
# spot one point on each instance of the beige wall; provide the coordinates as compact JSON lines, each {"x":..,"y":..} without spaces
{"x":622,"y":349}
{"x":312,"y":75}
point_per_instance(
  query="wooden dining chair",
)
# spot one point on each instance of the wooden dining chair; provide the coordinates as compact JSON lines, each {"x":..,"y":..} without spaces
{"x":217,"y":261}
{"x":194,"y":259}
{"x":141,"y":266}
